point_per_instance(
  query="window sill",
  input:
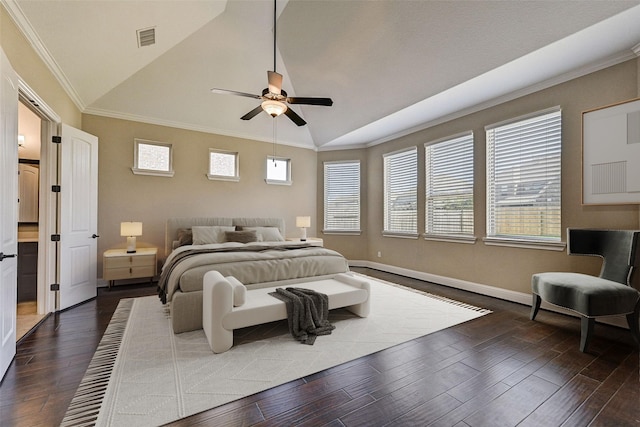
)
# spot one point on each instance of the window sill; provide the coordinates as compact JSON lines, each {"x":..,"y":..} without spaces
{"x":151,"y":172}
{"x":223,"y":178}
{"x":525,"y":244}
{"x":451,"y":238}
{"x":400,"y":235}
{"x":274,"y":182}
{"x":343,"y":232}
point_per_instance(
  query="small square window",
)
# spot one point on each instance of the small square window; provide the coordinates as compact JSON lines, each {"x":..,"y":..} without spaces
{"x":223,"y":165}
{"x":152,"y":158}
{"x":278,"y":170}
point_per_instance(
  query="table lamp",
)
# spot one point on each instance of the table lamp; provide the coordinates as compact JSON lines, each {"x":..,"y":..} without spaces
{"x":303,"y":222}
{"x":131,"y":230}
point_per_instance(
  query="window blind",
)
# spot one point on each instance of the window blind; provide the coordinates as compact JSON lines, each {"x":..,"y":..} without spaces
{"x":449,"y":186}
{"x":523,"y":178}
{"x":400,"y":192}
{"x":342,"y":196}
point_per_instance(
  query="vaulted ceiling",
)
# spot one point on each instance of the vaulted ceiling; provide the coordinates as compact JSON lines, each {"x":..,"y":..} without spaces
{"x":391,"y":67}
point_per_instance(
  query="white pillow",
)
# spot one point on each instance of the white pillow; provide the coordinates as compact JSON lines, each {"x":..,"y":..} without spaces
{"x":210,"y":234}
{"x":267,"y":234}
{"x":239,"y":291}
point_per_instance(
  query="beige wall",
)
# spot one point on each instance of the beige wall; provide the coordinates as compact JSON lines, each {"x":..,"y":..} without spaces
{"x":503,"y":267}
{"x":34,"y":72}
{"x":123,"y":196}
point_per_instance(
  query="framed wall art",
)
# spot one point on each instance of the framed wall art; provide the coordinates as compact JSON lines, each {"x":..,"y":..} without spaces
{"x":611,"y":154}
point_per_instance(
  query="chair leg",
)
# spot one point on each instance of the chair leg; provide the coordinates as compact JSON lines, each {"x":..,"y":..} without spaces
{"x":586,"y":326}
{"x":535,"y":306}
{"x":632,"y":320}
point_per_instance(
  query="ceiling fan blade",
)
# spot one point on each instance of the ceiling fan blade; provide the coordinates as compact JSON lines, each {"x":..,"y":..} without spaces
{"x":275,"y":82}
{"x":327,"y":102}
{"x":233,"y":92}
{"x":295,"y":118}
{"x":251,"y":114}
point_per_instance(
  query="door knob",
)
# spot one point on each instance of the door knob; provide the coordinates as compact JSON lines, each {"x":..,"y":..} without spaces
{"x":95,"y":236}
{"x":3,"y":256}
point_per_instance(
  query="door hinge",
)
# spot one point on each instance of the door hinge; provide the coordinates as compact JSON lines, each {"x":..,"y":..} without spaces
{"x":55,"y":237}
{"x":55,"y":286}
{"x":55,"y":188}
{"x":56,"y":139}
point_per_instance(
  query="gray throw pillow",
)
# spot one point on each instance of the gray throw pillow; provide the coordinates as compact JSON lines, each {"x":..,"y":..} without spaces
{"x":245,"y":236}
{"x":185,"y":236}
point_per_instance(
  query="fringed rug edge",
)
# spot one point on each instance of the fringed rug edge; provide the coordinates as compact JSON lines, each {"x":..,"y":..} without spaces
{"x":87,"y":401}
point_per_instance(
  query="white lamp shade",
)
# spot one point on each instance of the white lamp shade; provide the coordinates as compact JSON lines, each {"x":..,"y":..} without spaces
{"x":131,"y":229}
{"x":303,"y":221}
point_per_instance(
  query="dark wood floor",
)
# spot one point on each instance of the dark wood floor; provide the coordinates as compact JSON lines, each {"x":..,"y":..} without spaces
{"x":499,"y":370}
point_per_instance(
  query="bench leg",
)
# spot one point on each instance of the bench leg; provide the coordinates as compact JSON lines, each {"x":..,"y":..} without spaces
{"x":632,"y":320}
{"x":363,"y":309}
{"x":586,"y":326}
{"x":535,"y":306}
{"x":217,"y":301}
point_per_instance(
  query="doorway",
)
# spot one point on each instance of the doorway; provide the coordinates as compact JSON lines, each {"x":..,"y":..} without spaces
{"x":29,"y":156}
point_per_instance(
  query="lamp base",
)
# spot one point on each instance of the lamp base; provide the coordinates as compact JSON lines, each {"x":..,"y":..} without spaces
{"x":303,"y":234}
{"x":131,"y":244}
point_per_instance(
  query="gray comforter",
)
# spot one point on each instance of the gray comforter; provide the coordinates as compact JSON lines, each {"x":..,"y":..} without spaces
{"x":250,"y":263}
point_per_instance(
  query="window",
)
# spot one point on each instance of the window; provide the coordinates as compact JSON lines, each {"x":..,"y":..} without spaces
{"x":223,"y":165}
{"x":152,"y":158}
{"x":523,"y":178}
{"x":449,"y":186}
{"x":400,"y":193}
{"x":278,"y":170}
{"x":342,"y":196}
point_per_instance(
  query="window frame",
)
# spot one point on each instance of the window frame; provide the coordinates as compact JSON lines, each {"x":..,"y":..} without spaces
{"x":215,"y":177}
{"x":268,"y":180}
{"x":152,"y":172}
{"x":344,"y":230}
{"x":388,"y":231}
{"x":461,"y":138}
{"x":524,"y":240}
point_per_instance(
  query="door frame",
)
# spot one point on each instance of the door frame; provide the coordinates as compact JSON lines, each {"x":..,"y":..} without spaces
{"x":48,"y":204}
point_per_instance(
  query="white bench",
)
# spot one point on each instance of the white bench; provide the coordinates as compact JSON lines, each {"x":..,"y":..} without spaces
{"x":228,"y":305}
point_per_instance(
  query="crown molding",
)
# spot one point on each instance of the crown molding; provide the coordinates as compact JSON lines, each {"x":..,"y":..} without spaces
{"x":636,"y":49}
{"x":187,"y":126}
{"x":23,"y":24}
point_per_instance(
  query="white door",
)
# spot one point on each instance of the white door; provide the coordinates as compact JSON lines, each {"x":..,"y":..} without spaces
{"x":8,"y":212}
{"x":78,"y":216}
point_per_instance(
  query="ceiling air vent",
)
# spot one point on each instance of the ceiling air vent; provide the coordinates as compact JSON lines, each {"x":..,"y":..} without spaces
{"x":146,"y":37}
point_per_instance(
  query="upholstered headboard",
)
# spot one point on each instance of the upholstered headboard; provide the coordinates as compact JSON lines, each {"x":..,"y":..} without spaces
{"x":174,"y":224}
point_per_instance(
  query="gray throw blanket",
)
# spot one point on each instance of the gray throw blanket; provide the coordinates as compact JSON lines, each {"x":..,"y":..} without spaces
{"x":307,"y":312}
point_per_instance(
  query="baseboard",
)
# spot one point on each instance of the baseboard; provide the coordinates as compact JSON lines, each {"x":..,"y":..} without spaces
{"x":478,"y":288}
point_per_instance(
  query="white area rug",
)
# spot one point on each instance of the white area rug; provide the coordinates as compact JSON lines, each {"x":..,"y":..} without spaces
{"x":160,"y":377}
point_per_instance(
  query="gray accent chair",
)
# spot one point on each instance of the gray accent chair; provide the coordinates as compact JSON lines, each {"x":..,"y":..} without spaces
{"x":609,"y":294}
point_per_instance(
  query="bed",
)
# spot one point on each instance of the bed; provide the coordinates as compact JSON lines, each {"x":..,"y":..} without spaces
{"x":253,"y":250}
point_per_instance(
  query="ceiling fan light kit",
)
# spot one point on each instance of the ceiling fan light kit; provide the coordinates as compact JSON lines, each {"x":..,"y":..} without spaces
{"x":274,"y":108}
{"x":274,"y":99}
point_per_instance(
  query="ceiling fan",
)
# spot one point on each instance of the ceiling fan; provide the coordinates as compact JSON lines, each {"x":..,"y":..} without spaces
{"x":274,"y":99}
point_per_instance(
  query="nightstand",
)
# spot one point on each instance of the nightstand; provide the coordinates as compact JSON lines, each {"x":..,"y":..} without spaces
{"x":313,"y":241}
{"x":117,"y":264}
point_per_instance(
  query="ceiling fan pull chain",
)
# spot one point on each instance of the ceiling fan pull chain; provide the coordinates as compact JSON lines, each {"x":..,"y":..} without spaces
{"x":275,"y":133}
